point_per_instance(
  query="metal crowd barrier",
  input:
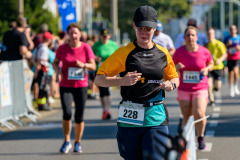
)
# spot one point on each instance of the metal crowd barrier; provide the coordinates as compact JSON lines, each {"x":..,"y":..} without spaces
{"x":180,"y":147}
{"x":189,"y":135}
{"x":15,"y":93}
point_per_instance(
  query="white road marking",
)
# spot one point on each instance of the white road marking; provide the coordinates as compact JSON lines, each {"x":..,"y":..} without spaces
{"x":218,"y":100}
{"x":215,"y":115}
{"x":208,"y":147}
{"x":216,"y":109}
{"x":213,"y":123}
{"x":210,"y":133}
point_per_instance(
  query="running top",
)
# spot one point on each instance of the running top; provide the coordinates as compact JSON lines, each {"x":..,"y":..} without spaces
{"x":233,"y":54}
{"x":190,"y":78}
{"x":163,"y":40}
{"x":42,"y":54}
{"x":155,"y":64}
{"x":104,"y":50}
{"x":68,"y":56}
{"x":217,"y":49}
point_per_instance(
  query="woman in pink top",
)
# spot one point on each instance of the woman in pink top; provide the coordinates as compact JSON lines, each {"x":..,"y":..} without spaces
{"x":193,"y":62}
{"x":77,"y":57}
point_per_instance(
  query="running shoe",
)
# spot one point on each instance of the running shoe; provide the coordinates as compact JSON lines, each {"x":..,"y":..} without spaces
{"x":77,"y":147}
{"x":232,"y":91}
{"x":236,"y":90}
{"x":65,"y":147}
{"x":106,"y":115}
{"x":201,"y":143}
{"x":51,"y":100}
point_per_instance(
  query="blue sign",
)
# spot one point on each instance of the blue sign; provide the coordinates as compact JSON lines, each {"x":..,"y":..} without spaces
{"x":67,"y":12}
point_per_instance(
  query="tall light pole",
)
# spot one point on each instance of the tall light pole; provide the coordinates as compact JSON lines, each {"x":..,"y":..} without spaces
{"x":20,"y":7}
{"x":222,"y":15}
{"x":230,"y":13}
{"x":114,"y":18}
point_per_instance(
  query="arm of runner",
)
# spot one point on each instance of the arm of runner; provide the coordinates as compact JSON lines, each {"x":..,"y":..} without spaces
{"x":129,"y":79}
{"x":208,"y":68}
{"x":90,"y":65}
{"x":57,"y":69}
{"x":169,"y":84}
{"x":222,"y":58}
{"x":179,"y":66}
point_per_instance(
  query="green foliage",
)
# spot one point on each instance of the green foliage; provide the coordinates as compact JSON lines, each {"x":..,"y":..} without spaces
{"x":37,"y":15}
{"x":166,"y":9}
{"x":33,"y":10}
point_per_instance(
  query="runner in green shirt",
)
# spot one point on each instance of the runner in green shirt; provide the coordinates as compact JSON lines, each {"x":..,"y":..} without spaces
{"x":102,"y":50}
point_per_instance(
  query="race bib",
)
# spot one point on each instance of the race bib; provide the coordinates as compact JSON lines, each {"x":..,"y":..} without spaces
{"x":131,"y":113}
{"x":232,"y":50}
{"x":191,"y":77}
{"x":76,"y":73}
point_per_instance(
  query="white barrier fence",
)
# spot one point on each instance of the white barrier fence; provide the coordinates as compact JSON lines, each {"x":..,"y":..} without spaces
{"x":15,"y":93}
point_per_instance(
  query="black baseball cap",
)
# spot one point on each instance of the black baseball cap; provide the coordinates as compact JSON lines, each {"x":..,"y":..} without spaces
{"x":145,"y":16}
{"x":192,"y":22}
{"x":105,"y":32}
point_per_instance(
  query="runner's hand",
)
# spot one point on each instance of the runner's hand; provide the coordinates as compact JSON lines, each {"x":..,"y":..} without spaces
{"x":79,"y":64}
{"x":58,"y":77}
{"x":179,"y":66}
{"x":229,"y":43}
{"x":204,"y":71}
{"x":130,"y":78}
{"x":167,"y":86}
{"x":218,"y":61}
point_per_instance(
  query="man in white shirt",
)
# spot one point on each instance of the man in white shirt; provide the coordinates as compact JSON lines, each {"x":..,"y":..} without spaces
{"x":163,"y":39}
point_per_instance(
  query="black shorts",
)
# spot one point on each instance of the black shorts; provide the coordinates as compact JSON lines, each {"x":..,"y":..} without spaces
{"x":104,"y":91}
{"x":232,"y":64}
{"x":216,"y":74}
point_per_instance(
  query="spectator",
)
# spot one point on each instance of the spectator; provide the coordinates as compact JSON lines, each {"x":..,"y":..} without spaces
{"x":39,"y":36}
{"x":18,"y":42}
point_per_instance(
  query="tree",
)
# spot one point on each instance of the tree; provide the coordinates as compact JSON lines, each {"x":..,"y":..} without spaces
{"x":34,"y":12}
{"x":166,"y":9}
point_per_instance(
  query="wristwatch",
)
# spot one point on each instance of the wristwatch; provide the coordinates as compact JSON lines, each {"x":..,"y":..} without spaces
{"x":174,"y":85}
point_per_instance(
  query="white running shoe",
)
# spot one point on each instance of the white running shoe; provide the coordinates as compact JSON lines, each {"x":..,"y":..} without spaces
{"x":232,"y":92}
{"x":51,"y":100}
{"x":236,"y":90}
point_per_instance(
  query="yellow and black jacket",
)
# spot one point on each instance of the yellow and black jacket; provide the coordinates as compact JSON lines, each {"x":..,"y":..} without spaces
{"x":155,"y":65}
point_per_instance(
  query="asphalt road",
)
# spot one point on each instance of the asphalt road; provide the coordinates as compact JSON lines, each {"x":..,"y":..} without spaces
{"x":42,"y":140}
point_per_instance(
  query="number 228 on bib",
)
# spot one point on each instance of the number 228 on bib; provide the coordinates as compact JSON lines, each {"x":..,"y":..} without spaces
{"x":131,"y":113}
